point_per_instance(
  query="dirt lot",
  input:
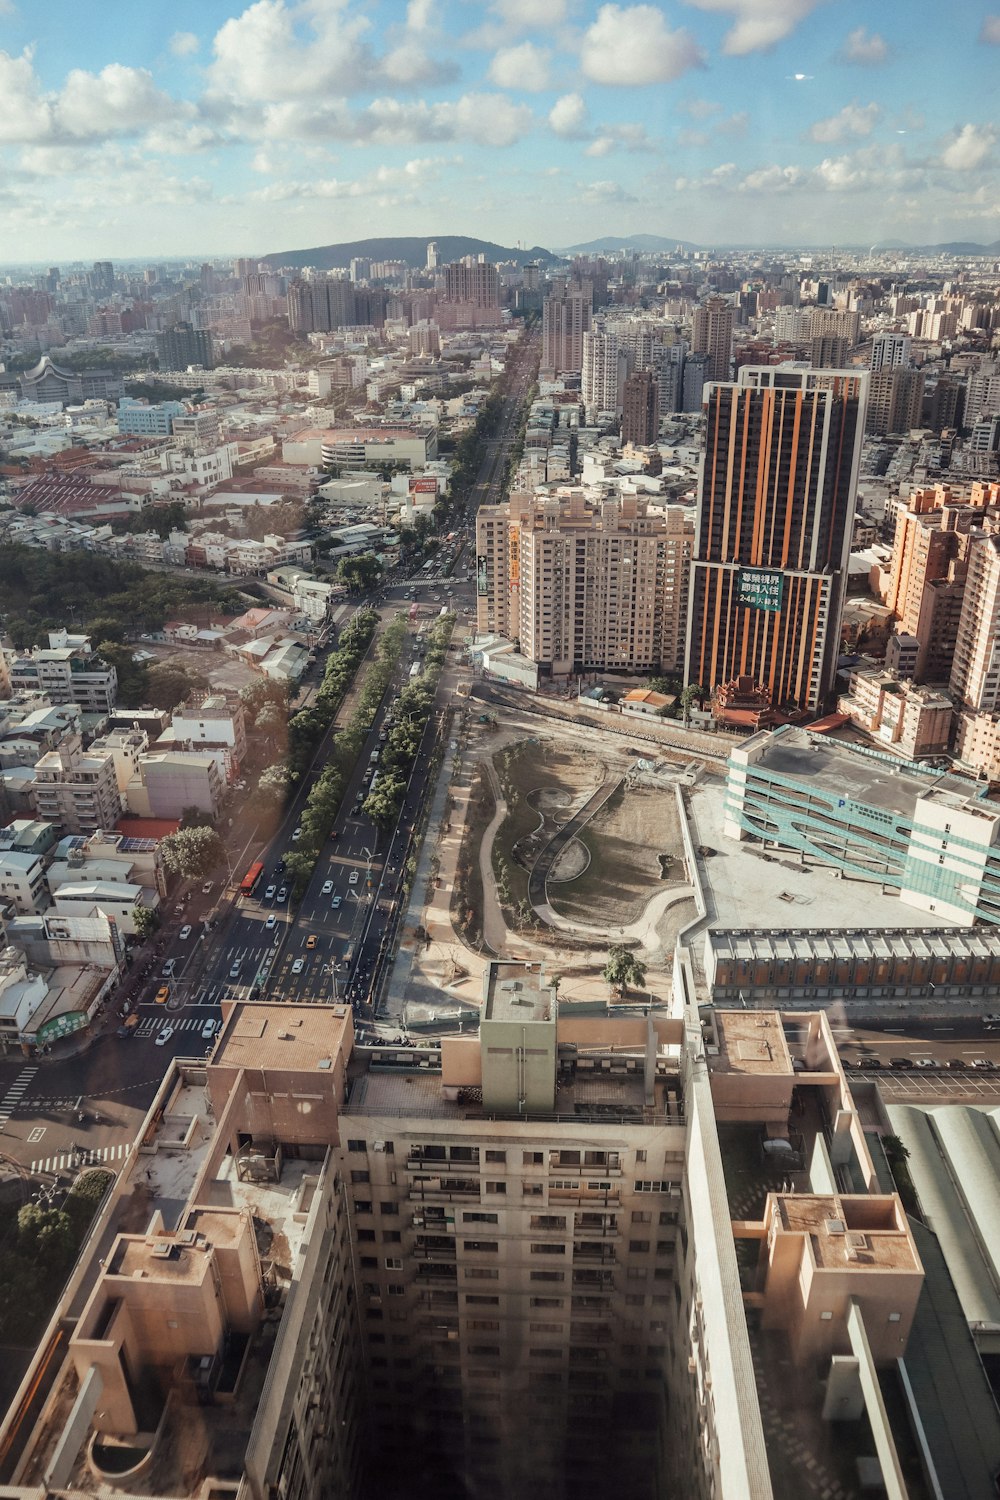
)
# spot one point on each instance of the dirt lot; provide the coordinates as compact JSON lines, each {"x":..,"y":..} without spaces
{"x":525,"y":770}
{"x":624,"y":840}
{"x":225,"y":673}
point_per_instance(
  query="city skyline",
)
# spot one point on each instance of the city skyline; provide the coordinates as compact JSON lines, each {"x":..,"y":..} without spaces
{"x":224,"y":126}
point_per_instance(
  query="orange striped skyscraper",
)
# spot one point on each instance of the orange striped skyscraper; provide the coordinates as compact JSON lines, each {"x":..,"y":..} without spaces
{"x":775,"y":511}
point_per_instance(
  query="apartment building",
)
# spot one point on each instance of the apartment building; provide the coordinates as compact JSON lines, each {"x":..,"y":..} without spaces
{"x":975,"y":675}
{"x":776,"y":504}
{"x":77,"y":791}
{"x":895,"y":401}
{"x":712,"y":334}
{"x":566,"y":316}
{"x":503,"y":1264}
{"x":583,"y":587}
{"x":640,"y":409}
{"x":914,"y":721}
{"x":68,"y":671}
{"x":606,"y":367}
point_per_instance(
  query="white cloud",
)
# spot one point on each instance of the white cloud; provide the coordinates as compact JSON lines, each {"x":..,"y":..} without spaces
{"x":531,"y":15}
{"x":260,"y":54}
{"x":772,"y":180}
{"x":853,"y":119}
{"x":568,"y":116}
{"x":184,"y":44}
{"x":632,"y":44}
{"x":990,"y":32}
{"x":523,"y":67}
{"x":409,"y":63}
{"x":116,"y":101}
{"x":419,"y":15}
{"x":25,"y":116}
{"x":606,"y":192}
{"x":969,"y":148}
{"x":867,"y":49}
{"x":486,"y":119}
{"x":758,"y":24}
{"x":412,"y":175}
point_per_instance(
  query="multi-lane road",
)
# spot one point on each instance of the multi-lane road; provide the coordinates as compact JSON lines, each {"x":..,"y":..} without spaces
{"x":58,"y":1113}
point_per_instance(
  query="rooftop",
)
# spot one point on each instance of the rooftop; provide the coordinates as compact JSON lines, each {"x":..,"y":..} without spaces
{"x":849,"y":1231}
{"x":302,"y":1037}
{"x":836,"y":767}
{"x":518,"y":992}
{"x":751,"y":1041}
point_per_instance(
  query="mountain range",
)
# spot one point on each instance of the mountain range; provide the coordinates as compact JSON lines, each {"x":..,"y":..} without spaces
{"x":409,"y":248}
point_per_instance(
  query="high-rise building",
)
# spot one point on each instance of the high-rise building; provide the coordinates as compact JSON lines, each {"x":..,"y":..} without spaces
{"x":472,"y":279}
{"x":641,"y":409}
{"x":712,"y":334}
{"x":433,"y":260}
{"x":775,"y":512}
{"x":566,"y":317}
{"x":606,"y":366}
{"x":975,"y":675}
{"x":584,"y":588}
{"x":694,"y":382}
{"x":926,"y":580}
{"x":103,"y":278}
{"x":829,"y":352}
{"x":889,"y":350}
{"x":895,"y":401}
{"x":320,"y":305}
{"x":828,"y":321}
{"x":182,"y":345}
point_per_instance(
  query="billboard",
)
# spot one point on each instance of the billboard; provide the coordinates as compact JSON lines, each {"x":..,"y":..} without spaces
{"x":482,"y":578}
{"x":760,"y":588}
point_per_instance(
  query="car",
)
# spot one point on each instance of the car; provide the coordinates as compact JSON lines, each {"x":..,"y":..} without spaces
{"x":168,"y":968}
{"x":296,"y":835}
{"x":901,"y":1062}
{"x":122,"y":1031}
{"x":870,"y":1063}
{"x":925,"y":1062}
{"x":163,"y":1035}
{"x":336,"y":903}
{"x":983,"y":1064}
{"x":282,"y":894}
{"x":298,"y":966}
{"x":354,"y":877}
{"x":957,"y":1064}
{"x":162,"y":995}
{"x":207,"y":888}
{"x":279,"y":868}
{"x":311,"y":940}
{"x":327,"y":887}
{"x":185,"y":932}
{"x":269,"y":894}
{"x":208,"y":1029}
{"x":234,"y":971}
{"x":272,"y":921}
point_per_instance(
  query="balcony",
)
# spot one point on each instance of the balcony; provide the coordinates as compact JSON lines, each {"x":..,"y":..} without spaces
{"x":451,"y":1190}
{"x":593,"y":1252}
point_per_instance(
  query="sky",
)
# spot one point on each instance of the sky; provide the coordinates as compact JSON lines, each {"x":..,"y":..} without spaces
{"x":209,"y":128}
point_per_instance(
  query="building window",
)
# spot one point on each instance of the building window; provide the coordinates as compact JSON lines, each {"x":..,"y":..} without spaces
{"x":540,"y":1248}
{"x":480,"y":1218}
{"x":360,"y":1177}
{"x":357,"y":1146}
{"x":497,"y":1158}
{"x":531,"y":1158}
{"x":641,"y":1216}
{"x":362,"y":1206}
{"x":483,"y":1247}
{"x":496,"y":1187}
{"x":638,"y":1246}
{"x":389,"y":1208}
{"x":393,"y":1263}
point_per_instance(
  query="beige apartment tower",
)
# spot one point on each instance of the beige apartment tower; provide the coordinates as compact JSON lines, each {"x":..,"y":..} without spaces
{"x":585,"y":588}
{"x":712,"y":334}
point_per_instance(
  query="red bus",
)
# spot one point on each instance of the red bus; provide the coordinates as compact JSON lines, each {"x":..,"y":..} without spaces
{"x":251,"y":879}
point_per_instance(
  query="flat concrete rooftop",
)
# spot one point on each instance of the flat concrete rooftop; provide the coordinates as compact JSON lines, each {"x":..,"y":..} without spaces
{"x":846,"y":770}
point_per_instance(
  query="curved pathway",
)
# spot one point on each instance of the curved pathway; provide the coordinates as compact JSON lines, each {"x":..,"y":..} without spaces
{"x":642,"y":930}
{"x":542,"y":868}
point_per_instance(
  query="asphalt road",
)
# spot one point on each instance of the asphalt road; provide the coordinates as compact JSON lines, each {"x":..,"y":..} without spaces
{"x":59,"y":1114}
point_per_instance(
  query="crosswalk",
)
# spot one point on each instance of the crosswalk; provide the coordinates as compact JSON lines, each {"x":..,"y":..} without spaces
{"x":150,"y":1025}
{"x":85,"y":1157}
{"x":14,"y":1094}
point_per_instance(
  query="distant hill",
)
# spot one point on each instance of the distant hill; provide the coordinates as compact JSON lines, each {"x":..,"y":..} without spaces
{"x":409,"y":248}
{"x":648,"y":243}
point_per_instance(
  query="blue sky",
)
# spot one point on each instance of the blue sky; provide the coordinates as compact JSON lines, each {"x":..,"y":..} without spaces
{"x":210,"y":128}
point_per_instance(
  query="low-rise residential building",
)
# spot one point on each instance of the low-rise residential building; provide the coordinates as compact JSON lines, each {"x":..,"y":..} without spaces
{"x":914,"y":721}
{"x":69,"y":671}
{"x":77,"y":791}
{"x":171,"y":781}
{"x":22,"y":880}
{"x":118,"y":900}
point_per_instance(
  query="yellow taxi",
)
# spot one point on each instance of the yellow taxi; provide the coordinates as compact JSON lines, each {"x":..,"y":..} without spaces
{"x":162,"y":994}
{"x":311,"y":940}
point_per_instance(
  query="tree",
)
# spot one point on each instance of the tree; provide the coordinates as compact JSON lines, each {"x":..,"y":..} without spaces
{"x":693,"y":693}
{"x":383,"y":804}
{"x":272,"y":787}
{"x":361,"y":573}
{"x":193,"y":853}
{"x":196,"y":817}
{"x":168,"y":685}
{"x":145,"y":920}
{"x":623,"y":969}
{"x":270,"y":719}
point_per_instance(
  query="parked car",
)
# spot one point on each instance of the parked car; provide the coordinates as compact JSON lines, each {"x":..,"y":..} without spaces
{"x":207,"y":888}
{"x":925,"y":1062}
{"x":298,"y":966}
{"x":296,"y":835}
{"x":983,"y":1064}
{"x":163,"y":1035}
{"x":185,"y":932}
{"x":901,"y":1062}
{"x":869,"y":1063}
{"x":957,"y":1064}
